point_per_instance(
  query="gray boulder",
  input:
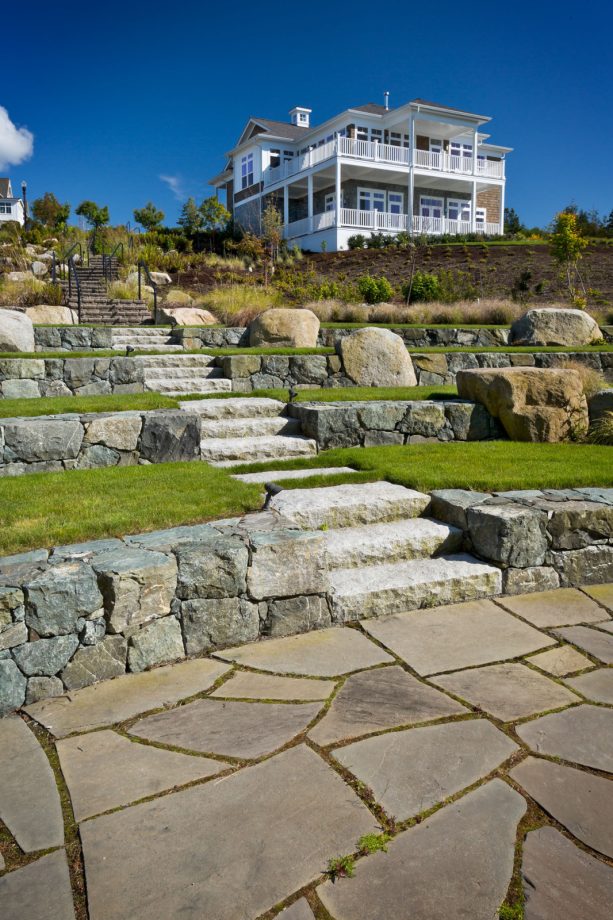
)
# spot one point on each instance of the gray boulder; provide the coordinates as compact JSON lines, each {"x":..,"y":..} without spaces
{"x":555,"y":326}
{"x":294,"y":328}
{"x":170,"y":436}
{"x":508,"y":534}
{"x":45,"y":657}
{"x":16,"y":331}
{"x":377,"y":357}
{"x":57,"y":598}
{"x":36,"y":439}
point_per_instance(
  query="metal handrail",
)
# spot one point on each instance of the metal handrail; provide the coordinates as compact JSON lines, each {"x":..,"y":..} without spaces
{"x":107,"y":261}
{"x":72,"y":266}
{"x":64,"y":261}
{"x":142,"y":265}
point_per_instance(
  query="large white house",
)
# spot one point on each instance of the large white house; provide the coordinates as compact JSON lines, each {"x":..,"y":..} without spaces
{"x":10,"y":208}
{"x":421,"y":168}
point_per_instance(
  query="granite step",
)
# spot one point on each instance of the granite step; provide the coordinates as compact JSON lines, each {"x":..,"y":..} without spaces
{"x":260,"y":426}
{"x":280,"y":475}
{"x":406,"y":539}
{"x":349,"y":505}
{"x":186,"y":386}
{"x":237,"y":407}
{"x":388,"y":588}
{"x":232,"y":451}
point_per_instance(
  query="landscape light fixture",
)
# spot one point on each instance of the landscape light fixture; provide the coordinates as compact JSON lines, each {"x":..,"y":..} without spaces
{"x":129,"y":350}
{"x":272,"y":489}
{"x":293,"y":394}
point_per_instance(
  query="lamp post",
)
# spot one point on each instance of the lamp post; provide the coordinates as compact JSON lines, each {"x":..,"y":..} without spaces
{"x":24,"y":196}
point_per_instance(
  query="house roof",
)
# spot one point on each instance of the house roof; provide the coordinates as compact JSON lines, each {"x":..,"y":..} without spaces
{"x":5,"y":188}
{"x":281,"y":128}
{"x":371,"y":108}
{"x":447,"y":108}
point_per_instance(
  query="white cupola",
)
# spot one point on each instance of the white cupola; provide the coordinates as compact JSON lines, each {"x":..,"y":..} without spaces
{"x":301,"y":116}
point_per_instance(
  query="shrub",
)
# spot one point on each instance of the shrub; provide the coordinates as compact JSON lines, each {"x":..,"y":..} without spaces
{"x":357,"y":241}
{"x":238,"y":304}
{"x":425,"y":287}
{"x":601,"y":431}
{"x":374,"y":290}
{"x":591,"y":379}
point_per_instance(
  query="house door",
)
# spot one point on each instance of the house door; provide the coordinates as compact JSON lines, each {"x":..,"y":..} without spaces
{"x":431,"y":207}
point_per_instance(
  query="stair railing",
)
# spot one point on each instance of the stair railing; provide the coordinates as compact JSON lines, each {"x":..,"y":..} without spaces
{"x":107,"y":261}
{"x":144,"y":269}
{"x":63,"y":263}
{"x":72,"y":272}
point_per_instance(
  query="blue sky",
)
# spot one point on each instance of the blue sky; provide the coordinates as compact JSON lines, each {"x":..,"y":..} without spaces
{"x":119,"y":94}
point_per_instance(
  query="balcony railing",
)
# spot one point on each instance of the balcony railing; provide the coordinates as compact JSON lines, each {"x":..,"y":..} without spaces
{"x":375,"y":221}
{"x":386,"y":154}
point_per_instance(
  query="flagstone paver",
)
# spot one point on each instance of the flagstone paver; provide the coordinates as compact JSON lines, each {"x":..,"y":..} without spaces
{"x":592,"y":641}
{"x":601,"y":593}
{"x":507,"y":691}
{"x":383,"y":698}
{"x":560,"y":607}
{"x":247,"y":685}
{"x":582,"y":735}
{"x":40,"y":891}
{"x":607,"y":625}
{"x":244,"y":730}
{"x":457,"y":636}
{"x":125,"y":697}
{"x":562,"y":881}
{"x":596,"y":685}
{"x":29,"y":801}
{"x":410,"y":771}
{"x":579,"y":800}
{"x":299,"y":910}
{"x":237,"y":846}
{"x":458,"y":863}
{"x":561,"y":661}
{"x":104,"y":770}
{"x":323,"y":653}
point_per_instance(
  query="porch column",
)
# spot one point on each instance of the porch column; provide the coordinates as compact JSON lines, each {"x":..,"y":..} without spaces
{"x":410,"y":196}
{"x":286,"y":205}
{"x":310,"y":200}
{"x":473,"y":208}
{"x":501,"y":209}
{"x":475,"y":145}
{"x":337,"y":191}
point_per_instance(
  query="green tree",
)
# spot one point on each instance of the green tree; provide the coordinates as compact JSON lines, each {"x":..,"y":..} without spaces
{"x":214,"y":215}
{"x":50,"y":212}
{"x":566,"y":245}
{"x":609,"y":224}
{"x":148,"y":217}
{"x":94,"y":215}
{"x":512,"y":223}
{"x":190,"y":218}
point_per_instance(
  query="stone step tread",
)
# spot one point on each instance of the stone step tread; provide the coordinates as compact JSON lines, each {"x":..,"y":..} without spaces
{"x":237,"y":407}
{"x":280,"y":475}
{"x":154,"y":362}
{"x":193,"y":385}
{"x":254,"y":449}
{"x":171,"y":373}
{"x":250,"y":427}
{"x":410,"y":538}
{"x":388,"y":588}
{"x":350,"y":505}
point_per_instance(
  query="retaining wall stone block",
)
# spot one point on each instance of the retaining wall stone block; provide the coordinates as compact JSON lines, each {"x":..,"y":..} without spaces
{"x":508,"y":534}
{"x":213,"y":568}
{"x":170,"y":435}
{"x":212,"y":623}
{"x":56,"y":599}
{"x":286,"y":563}
{"x":156,"y":643}
{"x":137,"y":586}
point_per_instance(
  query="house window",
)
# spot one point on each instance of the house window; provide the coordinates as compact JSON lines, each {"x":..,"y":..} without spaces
{"x":370,"y":199}
{"x":361,"y":133}
{"x":5,"y":208}
{"x":436,"y":146}
{"x":376,"y":134}
{"x":247,"y":171}
{"x":431,"y":207}
{"x":287,"y":155}
{"x":330,"y":201}
{"x":275,"y":158}
{"x":458,"y":210}
{"x":480,"y":215}
{"x":395,"y":202}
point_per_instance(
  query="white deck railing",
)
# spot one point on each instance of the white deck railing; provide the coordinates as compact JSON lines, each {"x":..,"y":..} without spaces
{"x":385,"y":154}
{"x":385,"y":220}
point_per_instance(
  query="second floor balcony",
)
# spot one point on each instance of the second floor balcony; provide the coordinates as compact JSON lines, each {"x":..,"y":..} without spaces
{"x":386,"y":154}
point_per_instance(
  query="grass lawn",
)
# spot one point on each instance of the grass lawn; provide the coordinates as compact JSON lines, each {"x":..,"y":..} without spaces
{"x":480,"y":465}
{"x":470,"y":326}
{"x":47,"y":509}
{"x":57,"y":405}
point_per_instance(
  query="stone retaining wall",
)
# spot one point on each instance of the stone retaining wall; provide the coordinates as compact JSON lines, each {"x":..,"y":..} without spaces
{"x":32,"y":377}
{"x":93,"y":611}
{"x":370,"y":423}
{"x":46,"y":444}
{"x":541,"y":539}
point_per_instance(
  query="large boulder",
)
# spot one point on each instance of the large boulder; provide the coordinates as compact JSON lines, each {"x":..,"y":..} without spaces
{"x":377,"y":358}
{"x":533,"y":404}
{"x":16,"y":331}
{"x":187,"y":316}
{"x":161,"y":277}
{"x":45,"y":314}
{"x":285,"y":327}
{"x":554,"y":326}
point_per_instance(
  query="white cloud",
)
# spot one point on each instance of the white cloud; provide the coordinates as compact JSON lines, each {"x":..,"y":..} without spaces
{"x":175,"y":184}
{"x":16,"y":144}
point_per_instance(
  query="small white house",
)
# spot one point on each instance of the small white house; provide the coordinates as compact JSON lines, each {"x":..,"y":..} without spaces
{"x":10,"y":208}
{"x":421,"y":168}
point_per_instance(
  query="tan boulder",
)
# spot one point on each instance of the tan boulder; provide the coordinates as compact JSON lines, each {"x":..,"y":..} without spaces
{"x":555,"y":326}
{"x":285,"y":327}
{"x":377,"y":358}
{"x":533,"y":404}
{"x":16,"y":331}
{"x":187,"y":316}
{"x":44,"y":314}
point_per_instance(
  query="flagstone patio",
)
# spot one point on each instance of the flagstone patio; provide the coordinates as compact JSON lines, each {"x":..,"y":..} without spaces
{"x":477,"y":737}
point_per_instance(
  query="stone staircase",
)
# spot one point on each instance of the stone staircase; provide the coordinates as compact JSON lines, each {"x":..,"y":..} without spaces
{"x":384,"y":556}
{"x":248,"y":430}
{"x":177,"y":375}
{"x":96,"y":308}
{"x":144,"y":338}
